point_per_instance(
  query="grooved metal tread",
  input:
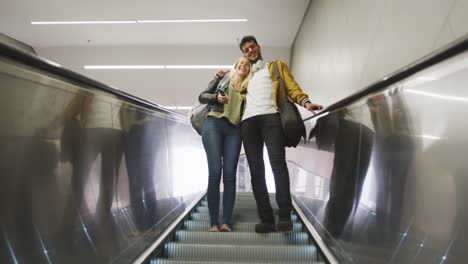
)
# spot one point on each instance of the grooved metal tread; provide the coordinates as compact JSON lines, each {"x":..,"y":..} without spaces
{"x":241,"y":238}
{"x":236,"y":217}
{"x":287,"y":254}
{"x":236,"y":227}
{"x":170,"y":261}
{"x":193,"y":244}
{"x":242,"y":204}
{"x":244,"y":210}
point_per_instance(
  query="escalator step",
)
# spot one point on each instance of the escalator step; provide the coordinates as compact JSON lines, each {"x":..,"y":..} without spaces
{"x":237,"y":227}
{"x":242,"y":238}
{"x":242,"y":203}
{"x":169,"y":261}
{"x":243,"y":211}
{"x":287,"y":254}
{"x":236,"y":217}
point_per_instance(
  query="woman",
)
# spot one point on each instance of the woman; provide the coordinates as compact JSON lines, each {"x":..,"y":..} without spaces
{"x":222,"y":140}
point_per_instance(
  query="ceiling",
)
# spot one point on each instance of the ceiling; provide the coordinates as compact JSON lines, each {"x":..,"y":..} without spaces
{"x":275,"y":22}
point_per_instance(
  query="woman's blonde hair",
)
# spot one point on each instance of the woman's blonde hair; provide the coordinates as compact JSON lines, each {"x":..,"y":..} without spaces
{"x":245,"y":81}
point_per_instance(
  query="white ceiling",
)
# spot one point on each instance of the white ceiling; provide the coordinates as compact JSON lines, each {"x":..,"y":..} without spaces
{"x":275,"y":22}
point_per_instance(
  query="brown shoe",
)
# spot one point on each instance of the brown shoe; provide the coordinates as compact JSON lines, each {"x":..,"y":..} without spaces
{"x":214,"y":229}
{"x":226,"y":228}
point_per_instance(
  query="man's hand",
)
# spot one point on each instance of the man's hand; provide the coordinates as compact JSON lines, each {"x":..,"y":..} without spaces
{"x":313,"y":107}
{"x":220,"y":74}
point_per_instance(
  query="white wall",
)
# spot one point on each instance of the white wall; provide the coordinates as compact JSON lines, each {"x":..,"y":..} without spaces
{"x":165,"y":87}
{"x":344,"y":45}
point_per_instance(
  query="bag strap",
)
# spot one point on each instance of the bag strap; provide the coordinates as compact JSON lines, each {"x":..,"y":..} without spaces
{"x":223,"y":81}
{"x":280,"y":81}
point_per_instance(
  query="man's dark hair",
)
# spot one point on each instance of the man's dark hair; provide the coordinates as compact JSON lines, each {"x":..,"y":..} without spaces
{"x":245,"y":40}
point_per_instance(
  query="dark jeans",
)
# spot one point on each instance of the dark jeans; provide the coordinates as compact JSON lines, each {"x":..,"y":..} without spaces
{"x":222,"y":143}
{"x":255,"y":132}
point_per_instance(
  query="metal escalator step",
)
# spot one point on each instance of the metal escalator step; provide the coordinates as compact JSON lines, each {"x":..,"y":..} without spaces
{"x":237,"y":217}
{"x":236,"y":227}
{"x":244,"y":211}
{"x":249,"y":253}
{"x":170,"y":261}
{"x":242,"y":203}
{"x":242,"y":238}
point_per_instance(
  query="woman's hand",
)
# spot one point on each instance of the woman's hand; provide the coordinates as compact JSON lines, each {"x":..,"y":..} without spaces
{"x":223,"y":99}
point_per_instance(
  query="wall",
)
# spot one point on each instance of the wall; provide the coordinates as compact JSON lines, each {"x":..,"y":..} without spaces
{"x":344,"y":46}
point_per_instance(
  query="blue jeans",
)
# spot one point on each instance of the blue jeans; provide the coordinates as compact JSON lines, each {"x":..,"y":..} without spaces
{"x":222,"y":142}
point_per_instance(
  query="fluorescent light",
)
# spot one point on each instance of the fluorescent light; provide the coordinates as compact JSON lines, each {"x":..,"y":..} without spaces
{"x":198,"y":66}
{"x":192,"y":20}
{"x":138,"y":21}
{"x":147,"y":67}
{"x":82,"y":22}
{"x":440,"y":96}
{"x":122,"y":67}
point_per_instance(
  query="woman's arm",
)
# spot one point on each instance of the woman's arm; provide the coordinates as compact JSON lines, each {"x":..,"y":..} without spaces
{"x":208,"y":96}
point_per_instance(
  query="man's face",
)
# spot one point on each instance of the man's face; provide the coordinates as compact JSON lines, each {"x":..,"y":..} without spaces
{"x":251,"y":51}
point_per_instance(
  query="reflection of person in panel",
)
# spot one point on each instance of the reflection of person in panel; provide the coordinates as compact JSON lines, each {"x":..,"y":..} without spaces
{"x":394,"y":151}
{"x":99,"y":133}
{"x":352,"y":151}
{"x":145,"y":135}
{"x":447,"y":162}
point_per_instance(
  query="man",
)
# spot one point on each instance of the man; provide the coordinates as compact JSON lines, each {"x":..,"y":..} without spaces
{"x":261,"y":125}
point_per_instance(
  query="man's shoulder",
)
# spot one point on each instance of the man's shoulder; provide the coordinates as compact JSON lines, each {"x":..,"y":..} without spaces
{"x":280,"y":63}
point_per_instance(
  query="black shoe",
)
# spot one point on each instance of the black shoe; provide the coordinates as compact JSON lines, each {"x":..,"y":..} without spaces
{"x":264,"y":228}
{"x":284,"y":224}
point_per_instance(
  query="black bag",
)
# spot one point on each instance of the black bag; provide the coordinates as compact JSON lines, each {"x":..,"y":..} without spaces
{"x":291,"y":119}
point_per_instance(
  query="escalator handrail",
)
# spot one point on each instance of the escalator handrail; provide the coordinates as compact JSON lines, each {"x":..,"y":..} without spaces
{"x":35,"y":61}
{"x":450,"y":50}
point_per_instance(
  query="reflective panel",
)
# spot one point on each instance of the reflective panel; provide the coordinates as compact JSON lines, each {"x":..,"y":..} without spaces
{"x":85,"y":176}
{"x":384,"y":180}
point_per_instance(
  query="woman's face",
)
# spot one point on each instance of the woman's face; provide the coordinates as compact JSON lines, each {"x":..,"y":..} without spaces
{"x":243,"y":67}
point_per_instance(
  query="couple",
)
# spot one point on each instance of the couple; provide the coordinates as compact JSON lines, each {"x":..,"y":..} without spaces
{"x":245,"y":109}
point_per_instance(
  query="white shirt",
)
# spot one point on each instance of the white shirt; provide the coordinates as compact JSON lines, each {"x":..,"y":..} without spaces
{"x":260,"y":90}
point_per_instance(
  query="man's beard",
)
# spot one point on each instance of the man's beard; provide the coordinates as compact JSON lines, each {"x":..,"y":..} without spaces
{"x":259,"y":57}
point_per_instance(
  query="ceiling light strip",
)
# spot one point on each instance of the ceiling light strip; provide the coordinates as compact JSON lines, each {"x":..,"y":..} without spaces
{"x":139,"y":21}
{"x":82,"y":22}
{"x":151,"y":67}
{"x":192,"y":20}
{"x":122,"y":67}
{"x":198,"y":66}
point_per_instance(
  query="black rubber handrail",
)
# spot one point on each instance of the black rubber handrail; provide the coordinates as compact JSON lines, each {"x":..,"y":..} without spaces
{"x":48,"y":66}
{"x":452,"y":49}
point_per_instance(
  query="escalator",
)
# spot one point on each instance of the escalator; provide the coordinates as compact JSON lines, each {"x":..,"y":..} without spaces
{"x":192,"y":243}
{"x":382,"y":179}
